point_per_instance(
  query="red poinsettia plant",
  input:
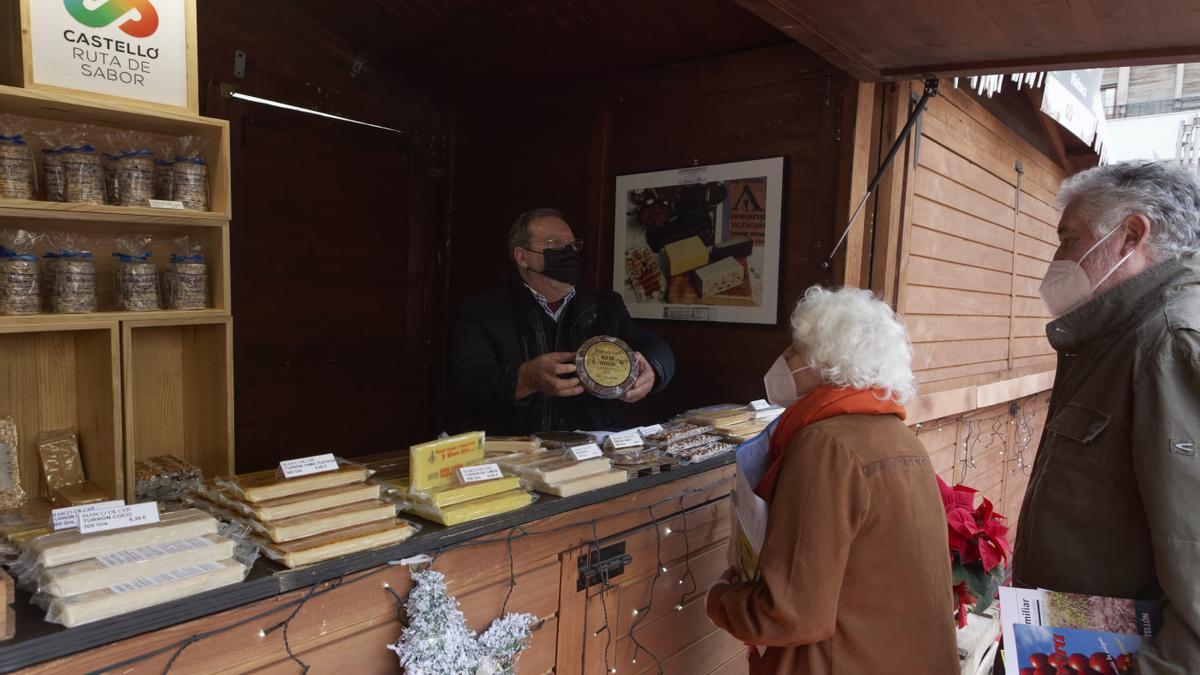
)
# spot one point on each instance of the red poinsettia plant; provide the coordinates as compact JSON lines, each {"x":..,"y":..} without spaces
{"x":979,"y":549}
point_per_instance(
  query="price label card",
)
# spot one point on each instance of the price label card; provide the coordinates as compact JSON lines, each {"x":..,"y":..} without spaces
{"x":583,"y":452}
{"x":478,"y":473}
{"x":118,"y":518}
{"x":650,"y":430}
{"x":294,"y":468}
{"x":625,"y":439}
{"x":166,"y":204}
{"x":67,"y":518}
{"x":759,"y":405}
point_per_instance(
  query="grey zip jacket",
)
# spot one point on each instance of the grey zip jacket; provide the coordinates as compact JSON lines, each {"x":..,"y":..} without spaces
{"x":1113,"y":505}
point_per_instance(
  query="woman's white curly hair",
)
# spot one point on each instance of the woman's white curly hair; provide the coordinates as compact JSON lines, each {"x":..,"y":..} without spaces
{"x":855,"y":340}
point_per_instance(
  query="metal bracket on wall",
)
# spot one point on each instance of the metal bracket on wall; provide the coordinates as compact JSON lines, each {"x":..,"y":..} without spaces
{"x":920,"y":130}
{"x":239,"y":64}
{"x":931,"y":90}
{"x":598,"y":566}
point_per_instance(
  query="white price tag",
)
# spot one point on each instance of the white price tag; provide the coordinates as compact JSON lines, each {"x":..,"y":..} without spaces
{"x":583,"y":452}
{"x":166,"y":204}
{"x":69,"y":517}
{"x":478,"y":473}
{"x":625,"y":439}
{"x":650,"y":430}
{"x":759,"y":405}
{"x":294,"y":468}
{"x":118,"y":517}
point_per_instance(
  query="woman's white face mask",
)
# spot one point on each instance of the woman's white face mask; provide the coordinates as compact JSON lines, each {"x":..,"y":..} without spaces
{"x":1066,"y":285}
{"x":780,"y":383}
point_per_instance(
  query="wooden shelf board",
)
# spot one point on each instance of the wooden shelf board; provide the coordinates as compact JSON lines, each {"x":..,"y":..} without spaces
{"x":102,"y":213}
{"x":60,"y":105}
{"x":55,"y":322}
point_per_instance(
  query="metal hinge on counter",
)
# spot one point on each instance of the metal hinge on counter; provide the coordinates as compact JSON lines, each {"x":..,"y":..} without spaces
{"x":606,"y":563}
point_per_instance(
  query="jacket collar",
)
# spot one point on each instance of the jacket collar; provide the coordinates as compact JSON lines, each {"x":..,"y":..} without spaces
{"x":1127,"y":302}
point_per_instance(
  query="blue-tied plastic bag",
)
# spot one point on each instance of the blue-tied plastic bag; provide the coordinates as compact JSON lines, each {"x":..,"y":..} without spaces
{"x":20,"y":289}
{"x":136,"y":277}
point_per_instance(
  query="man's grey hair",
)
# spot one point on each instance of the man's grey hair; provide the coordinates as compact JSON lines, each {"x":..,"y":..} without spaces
{"x":518,"y":234}
{"x":1166,"y":193}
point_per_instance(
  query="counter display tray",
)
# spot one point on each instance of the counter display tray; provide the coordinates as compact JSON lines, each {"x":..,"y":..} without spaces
{"x":37,"y":641}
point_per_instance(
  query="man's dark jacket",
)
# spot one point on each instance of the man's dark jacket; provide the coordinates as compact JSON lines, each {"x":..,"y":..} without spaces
{"x":499,"y":330}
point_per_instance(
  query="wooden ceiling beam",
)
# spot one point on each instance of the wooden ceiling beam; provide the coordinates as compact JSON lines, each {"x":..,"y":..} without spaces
{"x":1134,"y":57}
{"x":788,"y":17}
{"x":802,"y":30}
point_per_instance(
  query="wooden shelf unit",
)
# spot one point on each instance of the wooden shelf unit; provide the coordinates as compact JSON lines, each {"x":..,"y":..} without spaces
{"x":135,"y":384}
{"x":178,"y":389}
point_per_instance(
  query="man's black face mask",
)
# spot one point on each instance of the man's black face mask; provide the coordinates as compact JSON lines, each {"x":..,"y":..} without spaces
{"x":563,"y":264}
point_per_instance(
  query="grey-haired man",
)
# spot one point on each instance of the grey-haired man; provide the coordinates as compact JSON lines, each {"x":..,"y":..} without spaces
{"x":1111,"y":508}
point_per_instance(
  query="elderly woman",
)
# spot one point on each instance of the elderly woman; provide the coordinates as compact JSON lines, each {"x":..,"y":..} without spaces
{"x":854,"y":572}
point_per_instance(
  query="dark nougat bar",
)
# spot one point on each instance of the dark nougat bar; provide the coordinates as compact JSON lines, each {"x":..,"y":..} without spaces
{"x":733,"y":248}
{"x":698,"y":223}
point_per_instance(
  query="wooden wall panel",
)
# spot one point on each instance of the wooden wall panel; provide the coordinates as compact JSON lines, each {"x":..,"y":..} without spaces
{"x":975,"y":258}
{"x":312,"y":197}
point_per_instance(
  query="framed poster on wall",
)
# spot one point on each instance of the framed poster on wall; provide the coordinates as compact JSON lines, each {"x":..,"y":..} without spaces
{"x":700,"y":243}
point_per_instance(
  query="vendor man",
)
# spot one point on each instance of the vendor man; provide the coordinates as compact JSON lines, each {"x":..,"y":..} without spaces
{"x":512,"y":368}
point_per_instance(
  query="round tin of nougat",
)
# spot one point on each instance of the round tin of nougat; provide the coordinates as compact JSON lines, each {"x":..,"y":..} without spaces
{"x":606,"y":366}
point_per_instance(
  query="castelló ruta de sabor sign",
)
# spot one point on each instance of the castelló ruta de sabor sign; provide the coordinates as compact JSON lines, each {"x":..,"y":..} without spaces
{"x":134,"y":49}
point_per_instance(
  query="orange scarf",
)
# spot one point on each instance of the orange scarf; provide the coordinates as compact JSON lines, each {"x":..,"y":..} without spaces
{"x":821,"y":403}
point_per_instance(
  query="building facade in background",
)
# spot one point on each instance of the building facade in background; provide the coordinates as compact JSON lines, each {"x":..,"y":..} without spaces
{"x":1151,"y":111}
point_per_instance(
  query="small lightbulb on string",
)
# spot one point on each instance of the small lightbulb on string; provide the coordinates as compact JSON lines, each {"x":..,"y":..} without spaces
{"x":663,"y":569}
{"x":262,"y":633}
{"x":679,"y":607}
{"x":635,"y":612}
{"x":667,"y":531}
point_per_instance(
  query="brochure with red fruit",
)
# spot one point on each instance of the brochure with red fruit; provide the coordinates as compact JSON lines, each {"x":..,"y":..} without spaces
{"x":1049,"y":650}
{"x":1081,"y":614}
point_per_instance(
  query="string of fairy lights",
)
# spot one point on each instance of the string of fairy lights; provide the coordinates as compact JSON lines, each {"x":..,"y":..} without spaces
{"x":1012,"y":431}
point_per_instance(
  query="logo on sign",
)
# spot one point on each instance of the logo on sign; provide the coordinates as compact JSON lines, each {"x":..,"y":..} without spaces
{"x":141,"y":26}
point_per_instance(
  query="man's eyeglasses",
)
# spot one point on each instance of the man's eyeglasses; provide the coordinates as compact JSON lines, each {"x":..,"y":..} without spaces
{"x":576,"y":244}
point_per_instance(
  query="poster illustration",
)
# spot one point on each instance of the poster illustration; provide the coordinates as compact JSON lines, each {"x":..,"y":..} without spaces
{"x":700,"y":243}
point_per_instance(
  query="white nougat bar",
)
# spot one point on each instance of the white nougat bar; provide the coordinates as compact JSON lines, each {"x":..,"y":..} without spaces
{"x":70,"y":546}
{"x":270,"y":484}
{"x":144,"y":592}
{"x":585,"y":484}
{"x":336,"y":544}
{"x":310,"y":524}
{"x":554,"y":468}
{"x":97,"y":573}
{"x":309,"y":502}
{"x":719,"y":276}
